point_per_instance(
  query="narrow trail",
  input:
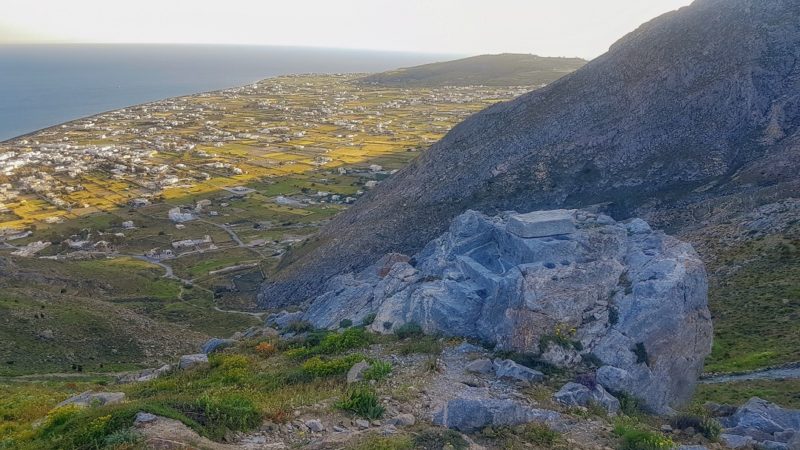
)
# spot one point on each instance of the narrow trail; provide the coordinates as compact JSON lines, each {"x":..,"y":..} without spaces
{"x":258,"y":315}
{"x":789,"y":371}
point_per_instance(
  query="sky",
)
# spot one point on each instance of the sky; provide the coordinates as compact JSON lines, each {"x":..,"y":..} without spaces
{"x":584,"y":28}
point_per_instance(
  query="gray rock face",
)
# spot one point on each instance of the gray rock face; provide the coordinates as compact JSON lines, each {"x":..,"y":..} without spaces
{"x":634,"y":298}
{"x":190,"y":361}
{"x":763,"y":423}
{"x":465,"y":414}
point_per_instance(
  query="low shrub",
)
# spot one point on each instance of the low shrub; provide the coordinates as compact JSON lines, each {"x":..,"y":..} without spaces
{"x":435,"y":439}
{"x":377,"y":442}
{"x":348,"y":339}
{"x":408,"y":330}
{"x":318,"y":367}
{"x":362,"y":401}
{"x":707,"y":426}
{"x":265,"y":349}
{"x":125,"y":438}
{"x":300,"y":326}
{"x":635,"y":436}
{"x":221,"y":413}
{"x":523,"y":436}
{"x":345,"y":323}
{"x":378,"y":370}
{"x":368,"y":320}
{"x":426,"y":344}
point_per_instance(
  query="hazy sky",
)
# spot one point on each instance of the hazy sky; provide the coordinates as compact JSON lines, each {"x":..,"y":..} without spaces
{"x":546,"y":27}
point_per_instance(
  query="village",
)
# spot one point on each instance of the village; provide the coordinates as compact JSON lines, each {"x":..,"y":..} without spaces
{"x":228,"y":179}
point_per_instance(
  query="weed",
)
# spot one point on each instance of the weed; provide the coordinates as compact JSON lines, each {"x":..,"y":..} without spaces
{"x":378,"y":370}
{"x":435,"y":439}
{"x":635,"y":436}
{"x":318,"y":367}
{"x":707,"y":426}
{"x":377,"y":442}
{"x":368,"y":319}
{"x":362,"y":401}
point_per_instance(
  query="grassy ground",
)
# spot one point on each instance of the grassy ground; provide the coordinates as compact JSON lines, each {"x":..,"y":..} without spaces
{"x":756,"y":306}
{"x":783,"y":392}
{"x":101,"y":315}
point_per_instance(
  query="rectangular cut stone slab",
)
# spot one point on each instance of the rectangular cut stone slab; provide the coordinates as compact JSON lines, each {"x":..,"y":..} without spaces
{"x":542,"y":223}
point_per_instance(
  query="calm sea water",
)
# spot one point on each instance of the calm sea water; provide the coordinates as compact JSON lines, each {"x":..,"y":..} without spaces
{"x":44,"y":85}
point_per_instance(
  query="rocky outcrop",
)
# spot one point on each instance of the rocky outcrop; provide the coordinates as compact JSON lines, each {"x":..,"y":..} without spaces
{"x":466,"y":414}
{"x":693,"y":114}
{"x":565,"y":283}
{"x":762,"y":424}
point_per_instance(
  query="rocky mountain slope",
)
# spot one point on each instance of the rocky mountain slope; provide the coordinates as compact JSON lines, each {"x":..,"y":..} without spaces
{"x":563,"y":285}
{"x":690,"y":122}
{"x":507,"y":69}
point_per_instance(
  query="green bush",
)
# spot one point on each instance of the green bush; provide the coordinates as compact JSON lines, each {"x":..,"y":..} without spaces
{"x":318,"y":367}
{"x":628,"y":404}
{"x":368,"y":319}
{"x":223,"y":412}
{"x":408,"y":330}
{"x":378,"y":370}
{"x":348,"y":339}
{"x":435,"y":439}
{"x":635,"y":436}
{"x":429,"y":345}
{"x":362,"y":401}
{"x":345,"y":323}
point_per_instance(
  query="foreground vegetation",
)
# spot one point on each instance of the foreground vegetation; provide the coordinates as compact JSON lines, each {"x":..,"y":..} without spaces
{"x":270,"y":380}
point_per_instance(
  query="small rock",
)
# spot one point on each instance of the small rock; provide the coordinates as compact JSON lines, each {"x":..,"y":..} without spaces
{"x":666,"y":428}
{"x":90,"y":398}
{"x":510,"y":370}
{"x":690,"y":431}
{"x":46,"y":334}
{"x":403,"y":420}
{"x":376,"y":423}
{"x":339,"y":429}
{"x":315,"y":425}
{"x":389,"y":430}
{"x":363,"y":424}
{"x":215,"y":344}
{"x":356,"y":373}
{"x":143,"y":418}
{"x":196,"y":360}
{"x":482,"y":366}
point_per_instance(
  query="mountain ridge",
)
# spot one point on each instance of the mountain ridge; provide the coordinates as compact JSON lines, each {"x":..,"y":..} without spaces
{"x":505,"y":69}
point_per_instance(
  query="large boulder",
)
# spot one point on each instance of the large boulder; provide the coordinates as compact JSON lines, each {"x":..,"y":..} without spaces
{"x":763,"y":423}
{"x":472,"y":414}
{"x":574,"y":394}
{"x":633,"y":298}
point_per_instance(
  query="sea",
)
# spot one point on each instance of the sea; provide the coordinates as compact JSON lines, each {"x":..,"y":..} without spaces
{"x":45,"y":85}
